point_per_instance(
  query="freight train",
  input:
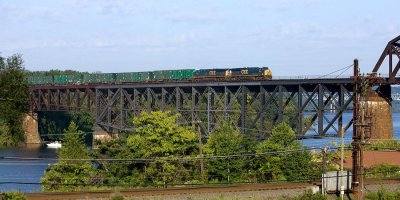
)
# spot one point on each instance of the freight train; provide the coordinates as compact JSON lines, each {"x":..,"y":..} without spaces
{"x":230,"y":74}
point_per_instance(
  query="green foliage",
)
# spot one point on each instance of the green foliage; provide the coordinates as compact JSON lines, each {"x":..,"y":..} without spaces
{"x":225,"y":141}
{"x":52,"y":124}
{"x":283,"y":135}
{"x":67,"y":174}
{"x":116,"y":196}
{"x":13,"y":100}
{"x":161,"y":151}
{"x":14,"y":195}
{"x":384,"y":145}
{"x":73,"y":146}
{"x":387,"y":170}
{"x":308,"y":194}
{"x":286,"y":165}
{"x":383,"y":194}
{"x":158,"y":135}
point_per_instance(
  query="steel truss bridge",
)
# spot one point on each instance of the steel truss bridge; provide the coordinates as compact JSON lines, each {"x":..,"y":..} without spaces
{"x":253,"y":106}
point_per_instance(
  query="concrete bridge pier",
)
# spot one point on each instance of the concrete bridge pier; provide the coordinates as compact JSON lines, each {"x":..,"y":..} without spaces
{"x":31,"y":128}
{"x":100,"y":135}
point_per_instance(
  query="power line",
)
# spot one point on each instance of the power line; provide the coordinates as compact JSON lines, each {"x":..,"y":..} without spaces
{"x":166,"y":158}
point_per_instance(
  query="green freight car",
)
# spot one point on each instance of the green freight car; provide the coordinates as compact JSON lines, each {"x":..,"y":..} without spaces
{"x":128,"y":77}
{"x":147,"y":76}
{"x":182,"y":74}
{"x":68,"y":79}
{"x":40,"y":80}
{"x":162,"y":75}
{"x":99,"y":78}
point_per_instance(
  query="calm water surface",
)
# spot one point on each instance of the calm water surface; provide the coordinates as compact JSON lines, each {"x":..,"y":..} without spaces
{"x":14,"y":171}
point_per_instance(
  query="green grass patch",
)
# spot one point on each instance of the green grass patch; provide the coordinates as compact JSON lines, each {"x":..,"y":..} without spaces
{"x":384,"y":145}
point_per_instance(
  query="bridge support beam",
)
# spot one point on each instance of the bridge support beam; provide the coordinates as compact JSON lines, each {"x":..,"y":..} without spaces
{"x":30,"y":125}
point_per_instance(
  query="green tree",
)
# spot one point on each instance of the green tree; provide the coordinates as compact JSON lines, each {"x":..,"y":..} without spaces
{"x":159,"y":135}
{"x":52,"y":124}
{"x":73,"y":171}
{"x":282,"y":157}
{"x":13,"y":100}
{"x":159,"y":138}
{"x":225,"y":141}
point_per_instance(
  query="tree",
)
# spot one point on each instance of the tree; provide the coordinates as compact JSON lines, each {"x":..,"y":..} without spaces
{"x":282,"y":157}
{"x":73,"y":171}
{"x":53,"y":123}
{"x":159,"y":138}
{"x":225,"y":141}
{"x":159,"y":135}
{"x":13,"y":100}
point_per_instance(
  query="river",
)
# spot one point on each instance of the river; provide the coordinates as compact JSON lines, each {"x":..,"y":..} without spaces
{"x":15,"y":172}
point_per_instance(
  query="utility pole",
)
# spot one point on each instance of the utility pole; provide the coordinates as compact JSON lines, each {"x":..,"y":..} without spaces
{"x":358,"y":133}
{"x":201,"y":155}
{"x":341,"y":166}
{"x":324,"y":151}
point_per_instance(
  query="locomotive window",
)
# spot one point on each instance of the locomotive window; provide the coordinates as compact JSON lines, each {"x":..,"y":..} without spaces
{"x":212,"y":72}
{"x":244,"y":71}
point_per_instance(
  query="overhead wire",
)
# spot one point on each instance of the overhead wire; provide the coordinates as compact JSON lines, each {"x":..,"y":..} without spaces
{"x":344,"y":69}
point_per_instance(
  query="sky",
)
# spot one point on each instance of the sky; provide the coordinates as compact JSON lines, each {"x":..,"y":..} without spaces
{"x":291,"y":37}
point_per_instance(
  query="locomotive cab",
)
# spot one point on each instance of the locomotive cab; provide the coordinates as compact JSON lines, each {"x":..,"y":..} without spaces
{"x":228,"y":73}
{"x":267,"y":72}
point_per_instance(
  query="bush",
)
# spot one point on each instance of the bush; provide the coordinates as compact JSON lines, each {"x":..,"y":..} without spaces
{"x":382,"y":194}
{"x":116,"y":196}
{"x":384,"y":145}
{"x":383,"y":171}
{"x":308,"y":194}
{"x":14,"y":195}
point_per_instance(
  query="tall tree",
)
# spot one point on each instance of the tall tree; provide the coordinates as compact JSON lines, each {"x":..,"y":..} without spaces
{"x":283,"y":158}
{"x":160,"y":139}
{"x":13,"y":100}
{"x":159,"y":135}
{"x":72,"y":171}
{"x":225,"y":141}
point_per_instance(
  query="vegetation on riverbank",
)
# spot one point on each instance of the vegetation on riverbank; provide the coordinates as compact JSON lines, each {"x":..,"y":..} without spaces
{"x":163,"y":152}
{"x":13,"y":195}
{"x":52,"y":124}
{"x":13,"y":100}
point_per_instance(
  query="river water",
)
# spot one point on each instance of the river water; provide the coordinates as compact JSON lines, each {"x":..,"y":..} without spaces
{"x":24,"y":175}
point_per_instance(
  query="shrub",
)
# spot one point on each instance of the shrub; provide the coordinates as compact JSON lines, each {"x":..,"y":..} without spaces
{"x":116,"y":196}
{"x":386,"y":170}
{"x":308,"y":194}
{"x":384,"y":145}
{"x":382,"y":194}
{"x":14,"y":195}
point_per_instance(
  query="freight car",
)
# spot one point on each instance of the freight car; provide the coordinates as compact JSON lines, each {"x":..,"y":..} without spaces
{"x":255,"y":73}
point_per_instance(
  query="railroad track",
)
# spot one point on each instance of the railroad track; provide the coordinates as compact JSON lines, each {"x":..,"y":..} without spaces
{"x":194,"y":190}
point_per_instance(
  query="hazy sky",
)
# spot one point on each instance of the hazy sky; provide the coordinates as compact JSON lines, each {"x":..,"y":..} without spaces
{"x":292,"y":37}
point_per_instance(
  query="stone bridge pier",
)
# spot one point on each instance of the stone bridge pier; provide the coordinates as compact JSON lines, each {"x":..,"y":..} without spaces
{"x":379,"y":115}
{"x":30,"y":126}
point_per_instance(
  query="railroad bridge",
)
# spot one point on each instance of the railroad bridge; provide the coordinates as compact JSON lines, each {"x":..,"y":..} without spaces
{"x":253,"y":105}
{"x":318,"y":103}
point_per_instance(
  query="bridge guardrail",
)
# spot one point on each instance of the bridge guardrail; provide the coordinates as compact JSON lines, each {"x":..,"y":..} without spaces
{"x":311,"y":77}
